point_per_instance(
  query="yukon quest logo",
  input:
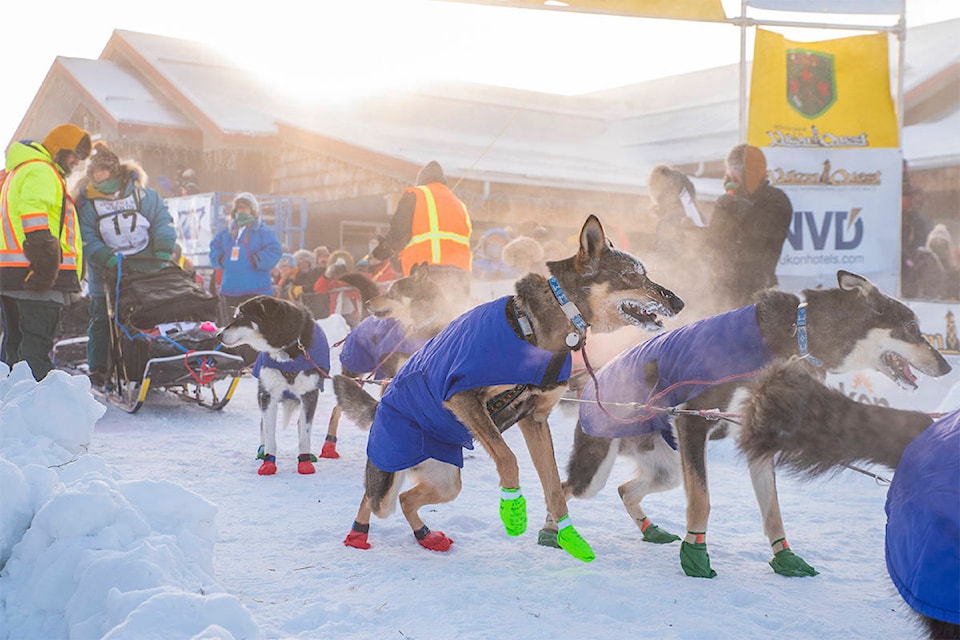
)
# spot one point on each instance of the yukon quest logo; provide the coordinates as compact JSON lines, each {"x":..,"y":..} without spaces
{"x":843,"y":228}
{"x":811,"y":83}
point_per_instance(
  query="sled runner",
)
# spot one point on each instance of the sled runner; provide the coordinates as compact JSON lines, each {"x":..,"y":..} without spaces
{"x":162,"y":336}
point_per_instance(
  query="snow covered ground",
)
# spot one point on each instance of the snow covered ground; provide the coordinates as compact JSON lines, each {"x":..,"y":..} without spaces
{"x":156,"y":525}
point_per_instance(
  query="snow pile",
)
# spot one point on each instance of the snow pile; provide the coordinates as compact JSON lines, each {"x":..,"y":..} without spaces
{"x":85,"y":554}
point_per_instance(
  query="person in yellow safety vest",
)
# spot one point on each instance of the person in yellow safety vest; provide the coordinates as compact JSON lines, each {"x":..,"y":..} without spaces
{"x":40,"y":246}
{"x":432,"y":225}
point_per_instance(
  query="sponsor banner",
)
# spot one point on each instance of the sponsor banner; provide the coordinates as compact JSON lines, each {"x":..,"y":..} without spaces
{"x":938,"y":322}
{"x":846,"y":215}
{"x":834,"y":93}
{"x":195,"y":220}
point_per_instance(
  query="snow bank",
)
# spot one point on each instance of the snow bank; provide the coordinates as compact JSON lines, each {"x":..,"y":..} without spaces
{"x":85,"y":554}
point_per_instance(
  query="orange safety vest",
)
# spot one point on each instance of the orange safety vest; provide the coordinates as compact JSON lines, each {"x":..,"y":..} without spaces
{"x":14,"y":231}
{"x":440,"y":233}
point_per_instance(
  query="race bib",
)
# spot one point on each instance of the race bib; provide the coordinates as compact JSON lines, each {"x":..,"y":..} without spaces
{"x":122,"y":228}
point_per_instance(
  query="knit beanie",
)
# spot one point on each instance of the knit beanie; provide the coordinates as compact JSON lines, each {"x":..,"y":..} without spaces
{"x":68,"y":136}
{"x":103,"y":158}
{"x":750,"y":163}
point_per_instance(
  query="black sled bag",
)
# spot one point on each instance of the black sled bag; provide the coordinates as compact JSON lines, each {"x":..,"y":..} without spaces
{"x":168,"y":295}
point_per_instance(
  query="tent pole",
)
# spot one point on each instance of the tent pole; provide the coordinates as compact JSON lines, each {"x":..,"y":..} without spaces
{"x":742,"y":134}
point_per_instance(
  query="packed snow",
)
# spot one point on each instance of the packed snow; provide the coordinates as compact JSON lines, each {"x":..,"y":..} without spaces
{"x":156,"y":525}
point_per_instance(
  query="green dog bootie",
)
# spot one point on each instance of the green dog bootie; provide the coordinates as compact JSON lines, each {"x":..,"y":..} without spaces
{"x":513,"y":511}
{"x":572,"y":542}
{"x":259,"y":453}
{"x":548,"y":538}
{"x":656,"y":535}
{"x":786,"y":563}
{"x":694,"y":559}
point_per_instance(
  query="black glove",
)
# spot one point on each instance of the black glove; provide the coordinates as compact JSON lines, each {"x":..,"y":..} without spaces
{"x":43,"y":252}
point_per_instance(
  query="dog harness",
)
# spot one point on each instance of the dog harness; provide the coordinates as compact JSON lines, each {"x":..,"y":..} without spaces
{"x":478,"y":349}
{"x":923,"y":517}
{"x":708,"y":350}
{"x":373,"y":341}
{"x":319,"y":356}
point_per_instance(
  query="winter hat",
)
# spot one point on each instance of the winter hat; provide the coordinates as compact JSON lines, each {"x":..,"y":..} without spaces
{"x":302,"y":255}
{"x":750,"y":163}
{"x":103,"y":158}
{"x":249,"y":199}
{"x":940,"y":232}
{"x":68,"y":136}
{"x":431,"y":172}
{"x":522,"y":253}
{"x":285,"y":259}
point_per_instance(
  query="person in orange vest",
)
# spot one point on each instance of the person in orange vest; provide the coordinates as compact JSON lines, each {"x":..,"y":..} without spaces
{"x":40,"y":249}
{"x":432,"y":225}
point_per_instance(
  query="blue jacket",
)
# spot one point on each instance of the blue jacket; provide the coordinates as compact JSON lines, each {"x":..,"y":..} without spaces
{"x":110,"y":226}
{"x":478,"y":349}
{"x":374,"y":340}
{"x":705,"y":351}
{"x":319,"y":353}
{"x":258,"y":251}
{"x":923,"y":522}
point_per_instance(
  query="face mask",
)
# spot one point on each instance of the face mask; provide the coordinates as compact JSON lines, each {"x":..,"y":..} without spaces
{"x":108,"y":186}
{"x":244,"y":218}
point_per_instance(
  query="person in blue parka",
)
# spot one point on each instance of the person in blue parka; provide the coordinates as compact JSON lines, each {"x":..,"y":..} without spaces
{"x":120,"y":219}
{"x":246,"y":251}
{"x":923,"y":526}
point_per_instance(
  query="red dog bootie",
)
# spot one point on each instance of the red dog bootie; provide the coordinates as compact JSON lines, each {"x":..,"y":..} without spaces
{"x":357,"y":538}
{"x":433,"y":540}
{"x":269,"y":466}
{"x":305,"y":464}
{"x":329,"y":449}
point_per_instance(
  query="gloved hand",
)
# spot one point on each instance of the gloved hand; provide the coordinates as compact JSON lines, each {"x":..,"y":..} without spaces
{"x":42,"y":250}
{"x":163,"y":256}
{"x":112,"y":262}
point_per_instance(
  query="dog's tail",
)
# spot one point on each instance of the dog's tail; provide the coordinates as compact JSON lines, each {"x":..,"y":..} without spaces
{"x":815,"y":430}
{"x":368,"y":288}
{"x":357,"y":404}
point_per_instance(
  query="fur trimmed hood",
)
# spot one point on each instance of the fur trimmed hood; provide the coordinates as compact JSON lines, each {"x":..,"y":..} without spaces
{"x":131,"y":173}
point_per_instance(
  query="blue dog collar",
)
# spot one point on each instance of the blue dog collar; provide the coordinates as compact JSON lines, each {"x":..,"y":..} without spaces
{"x":802,"y":336}
{"x":572,"y":312}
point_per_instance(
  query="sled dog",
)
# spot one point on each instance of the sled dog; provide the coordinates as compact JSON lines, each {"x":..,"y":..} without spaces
{"x":504,"y":362}
{"x":294,"y":359}
{"x":709,"y":364}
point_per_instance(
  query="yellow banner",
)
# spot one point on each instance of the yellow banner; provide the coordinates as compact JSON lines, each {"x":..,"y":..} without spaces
{"x":701,"y":10}
{"x":834,"y":93}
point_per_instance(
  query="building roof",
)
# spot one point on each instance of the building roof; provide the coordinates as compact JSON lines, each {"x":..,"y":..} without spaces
{"x":604,"y":140}
{"x":122,"y":94}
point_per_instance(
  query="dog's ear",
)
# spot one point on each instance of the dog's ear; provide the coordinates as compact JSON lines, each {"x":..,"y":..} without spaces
{"x":420,"y":272}
{"x":849,"y":281}
{"x":868,"y":292}
{"x":593,"y":241}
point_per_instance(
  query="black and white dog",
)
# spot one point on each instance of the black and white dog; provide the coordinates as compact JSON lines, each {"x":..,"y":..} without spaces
{"x":293,"y":362}
{"x":710,"y":364}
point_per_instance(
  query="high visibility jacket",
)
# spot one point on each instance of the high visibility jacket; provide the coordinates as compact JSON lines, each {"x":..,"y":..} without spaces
{"x":440,"y":233}
{"x":34,"y":197}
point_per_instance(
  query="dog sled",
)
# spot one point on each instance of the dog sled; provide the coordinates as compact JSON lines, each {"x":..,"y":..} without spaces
{"x":163,"y":336}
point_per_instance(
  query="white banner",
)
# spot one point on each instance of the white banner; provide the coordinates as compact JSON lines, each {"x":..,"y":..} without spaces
{"x":846,"y":214}
{"x":875,"y":7}
{"x":938,"y":323}
{"x":195,"y":221}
